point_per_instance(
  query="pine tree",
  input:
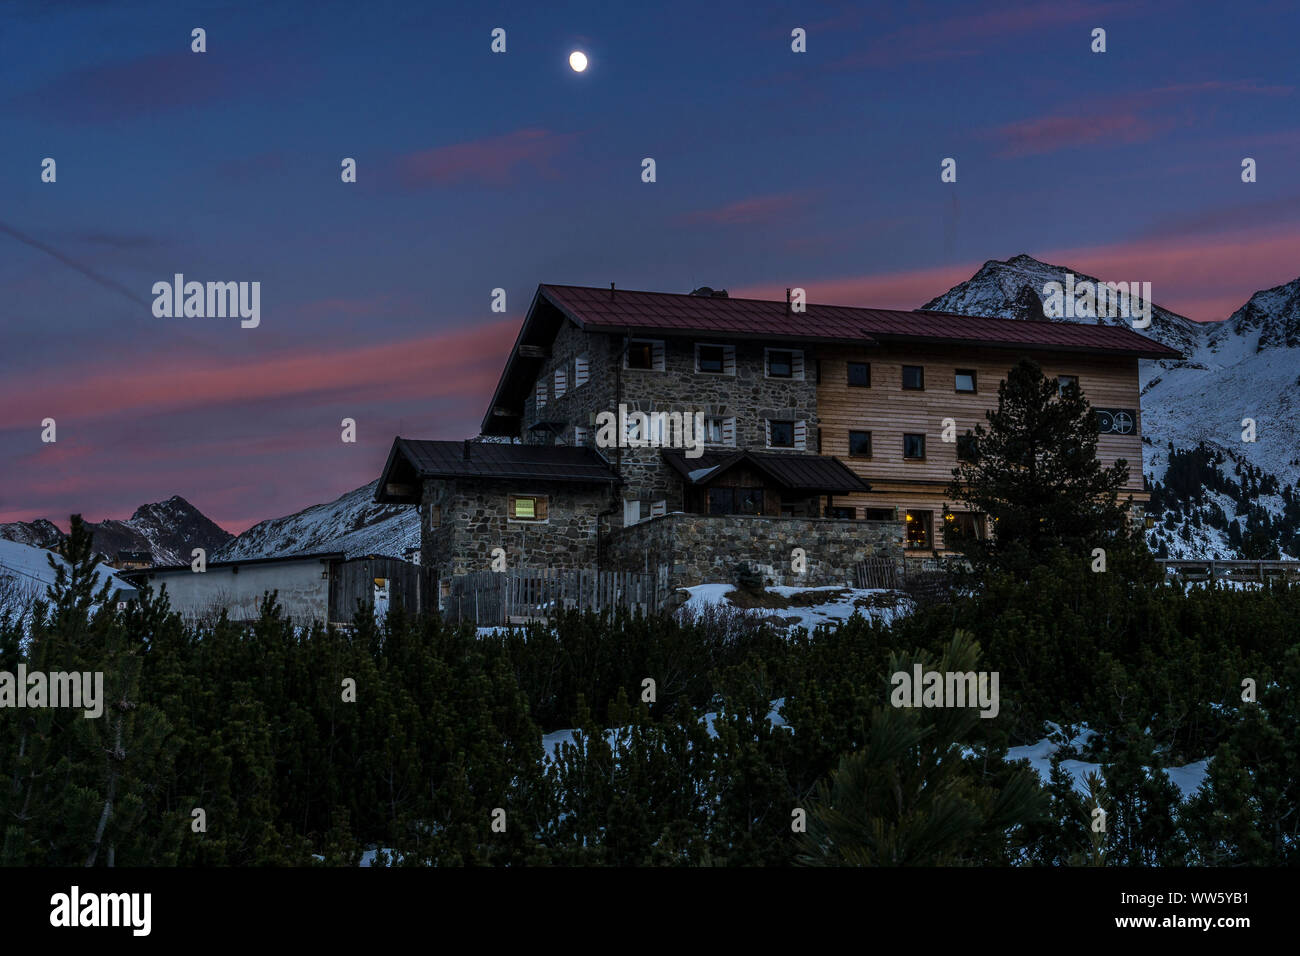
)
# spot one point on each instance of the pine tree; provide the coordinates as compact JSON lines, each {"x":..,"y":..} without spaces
{"x":911,"y":797}
{"x":1036,"y":475}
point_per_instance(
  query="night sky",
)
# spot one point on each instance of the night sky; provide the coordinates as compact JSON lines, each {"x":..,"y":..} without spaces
{"x":479,"y":170}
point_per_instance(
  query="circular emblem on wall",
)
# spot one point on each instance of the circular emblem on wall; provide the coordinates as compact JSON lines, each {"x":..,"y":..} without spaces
{"x":1122,"y":423}
{"x":1104,"y":421}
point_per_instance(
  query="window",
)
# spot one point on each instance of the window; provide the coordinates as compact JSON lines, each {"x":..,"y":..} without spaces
{"x":579,"y":435}
{"x":860,"y":374}
{"x":527,"y":507}
{"x":967,"y":450}
{"x":735,"y":501}
{"x":784,"y":363}
{"x":913,"y":445}
{"x":860,"y":444}
{"x":645,"y":354}
{"x":719,"y":430}
{"x":881,"y":514}
{"x":561,"y":382}
{"x":787,"y":434}
{"x":435,"y":516}
{"x":1065,"y":381}
{"x":581,"y":371}
{"x":918,"y":528}
{"x":658,"y":509}
{"x":841,"y":512}
{"x":631,"y":512}
{"x":715,"y":359}
{"x":965,"y":380}
{"x":964,"y":524}
{"x":913,"y":377}
{"x":541,"y":393}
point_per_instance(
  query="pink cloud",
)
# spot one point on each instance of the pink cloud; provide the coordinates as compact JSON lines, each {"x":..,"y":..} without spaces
{"x":430,"y":365}
{"x":1047,"y":134}
{"x":493,"y":161}
{"x":943,"y":36}
{"x":744,"y":211}
{"x":1124,"y":118}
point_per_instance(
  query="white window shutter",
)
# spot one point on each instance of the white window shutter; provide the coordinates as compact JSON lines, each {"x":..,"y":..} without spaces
{"x":800,"y":434}
{"x":767,"y":426}
{"x":561,"y":385}
{"x":581,"y":371}
{"x":796,"y":365}
{"x":729,"y":431}
{"x":631,"y":512}
{"x":541,"y":393}
{"x":729,"y":360}
{"x":658,"y":508}
{"x":579,"y":435}
{"x":658,"y":358}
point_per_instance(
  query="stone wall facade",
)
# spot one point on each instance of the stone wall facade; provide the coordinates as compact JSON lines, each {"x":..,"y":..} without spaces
{"x":707,"y":548}
{"x":748,"y":396}
{"x":472,"y":520}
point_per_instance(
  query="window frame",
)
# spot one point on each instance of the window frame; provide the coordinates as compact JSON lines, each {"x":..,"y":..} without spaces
{"x":540,"y":506}
{"x":974,"y":381}
{"x":726,"y":362}
{"x":656,"y":351}
{"x":856,"y":431}
{"x":903,"y":378}
{"x":771,"y":443}
{"x":848,"y":374}
{"x":906,"y":436}
{"x":927,"y":526}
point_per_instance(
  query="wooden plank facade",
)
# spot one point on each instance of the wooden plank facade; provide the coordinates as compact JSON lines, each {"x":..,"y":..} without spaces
{"x":888,"y":411}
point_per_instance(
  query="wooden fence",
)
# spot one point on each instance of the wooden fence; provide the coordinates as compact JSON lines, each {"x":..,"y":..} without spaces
{"x":511,"y":597}
{"x":877,"y":572}
{"x":1210,"y":569}
{"x":370,"y":578}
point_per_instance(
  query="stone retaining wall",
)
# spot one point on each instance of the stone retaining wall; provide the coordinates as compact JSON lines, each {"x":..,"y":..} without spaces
{"x":708,"y":548}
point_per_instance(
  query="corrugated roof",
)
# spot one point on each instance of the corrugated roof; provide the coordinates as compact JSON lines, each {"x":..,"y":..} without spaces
{"x":411,"y":458}
{"x":599,"y":310}
{"x":796,"y":472}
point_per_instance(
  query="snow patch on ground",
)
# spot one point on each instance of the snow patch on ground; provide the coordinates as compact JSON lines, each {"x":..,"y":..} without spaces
{"x":1187,"y":779}
{"x":841,"y":603}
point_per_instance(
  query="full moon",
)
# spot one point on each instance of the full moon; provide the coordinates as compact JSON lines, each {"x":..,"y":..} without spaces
{"x":578,"y":60}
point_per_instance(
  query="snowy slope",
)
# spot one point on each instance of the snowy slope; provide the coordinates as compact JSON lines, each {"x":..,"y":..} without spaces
{"x":353,"y":523}
{"x":25,"y":573}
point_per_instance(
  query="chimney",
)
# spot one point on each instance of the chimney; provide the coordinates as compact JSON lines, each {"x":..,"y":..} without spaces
{"x":611,"y":292}
{"x":465,"y":452}
{"x":787,"y":300}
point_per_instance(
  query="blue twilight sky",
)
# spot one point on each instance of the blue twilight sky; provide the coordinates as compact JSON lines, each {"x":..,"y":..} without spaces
{"x":478,"y":170}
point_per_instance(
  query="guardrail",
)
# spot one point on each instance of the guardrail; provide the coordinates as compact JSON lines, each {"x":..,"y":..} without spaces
{"x":1214,"y":569}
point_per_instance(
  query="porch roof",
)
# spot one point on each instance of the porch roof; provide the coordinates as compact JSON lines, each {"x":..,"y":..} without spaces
{"x":810,"y":473}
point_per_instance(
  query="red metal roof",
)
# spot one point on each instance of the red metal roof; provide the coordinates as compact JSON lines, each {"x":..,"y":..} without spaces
{"x":670,"y":313}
